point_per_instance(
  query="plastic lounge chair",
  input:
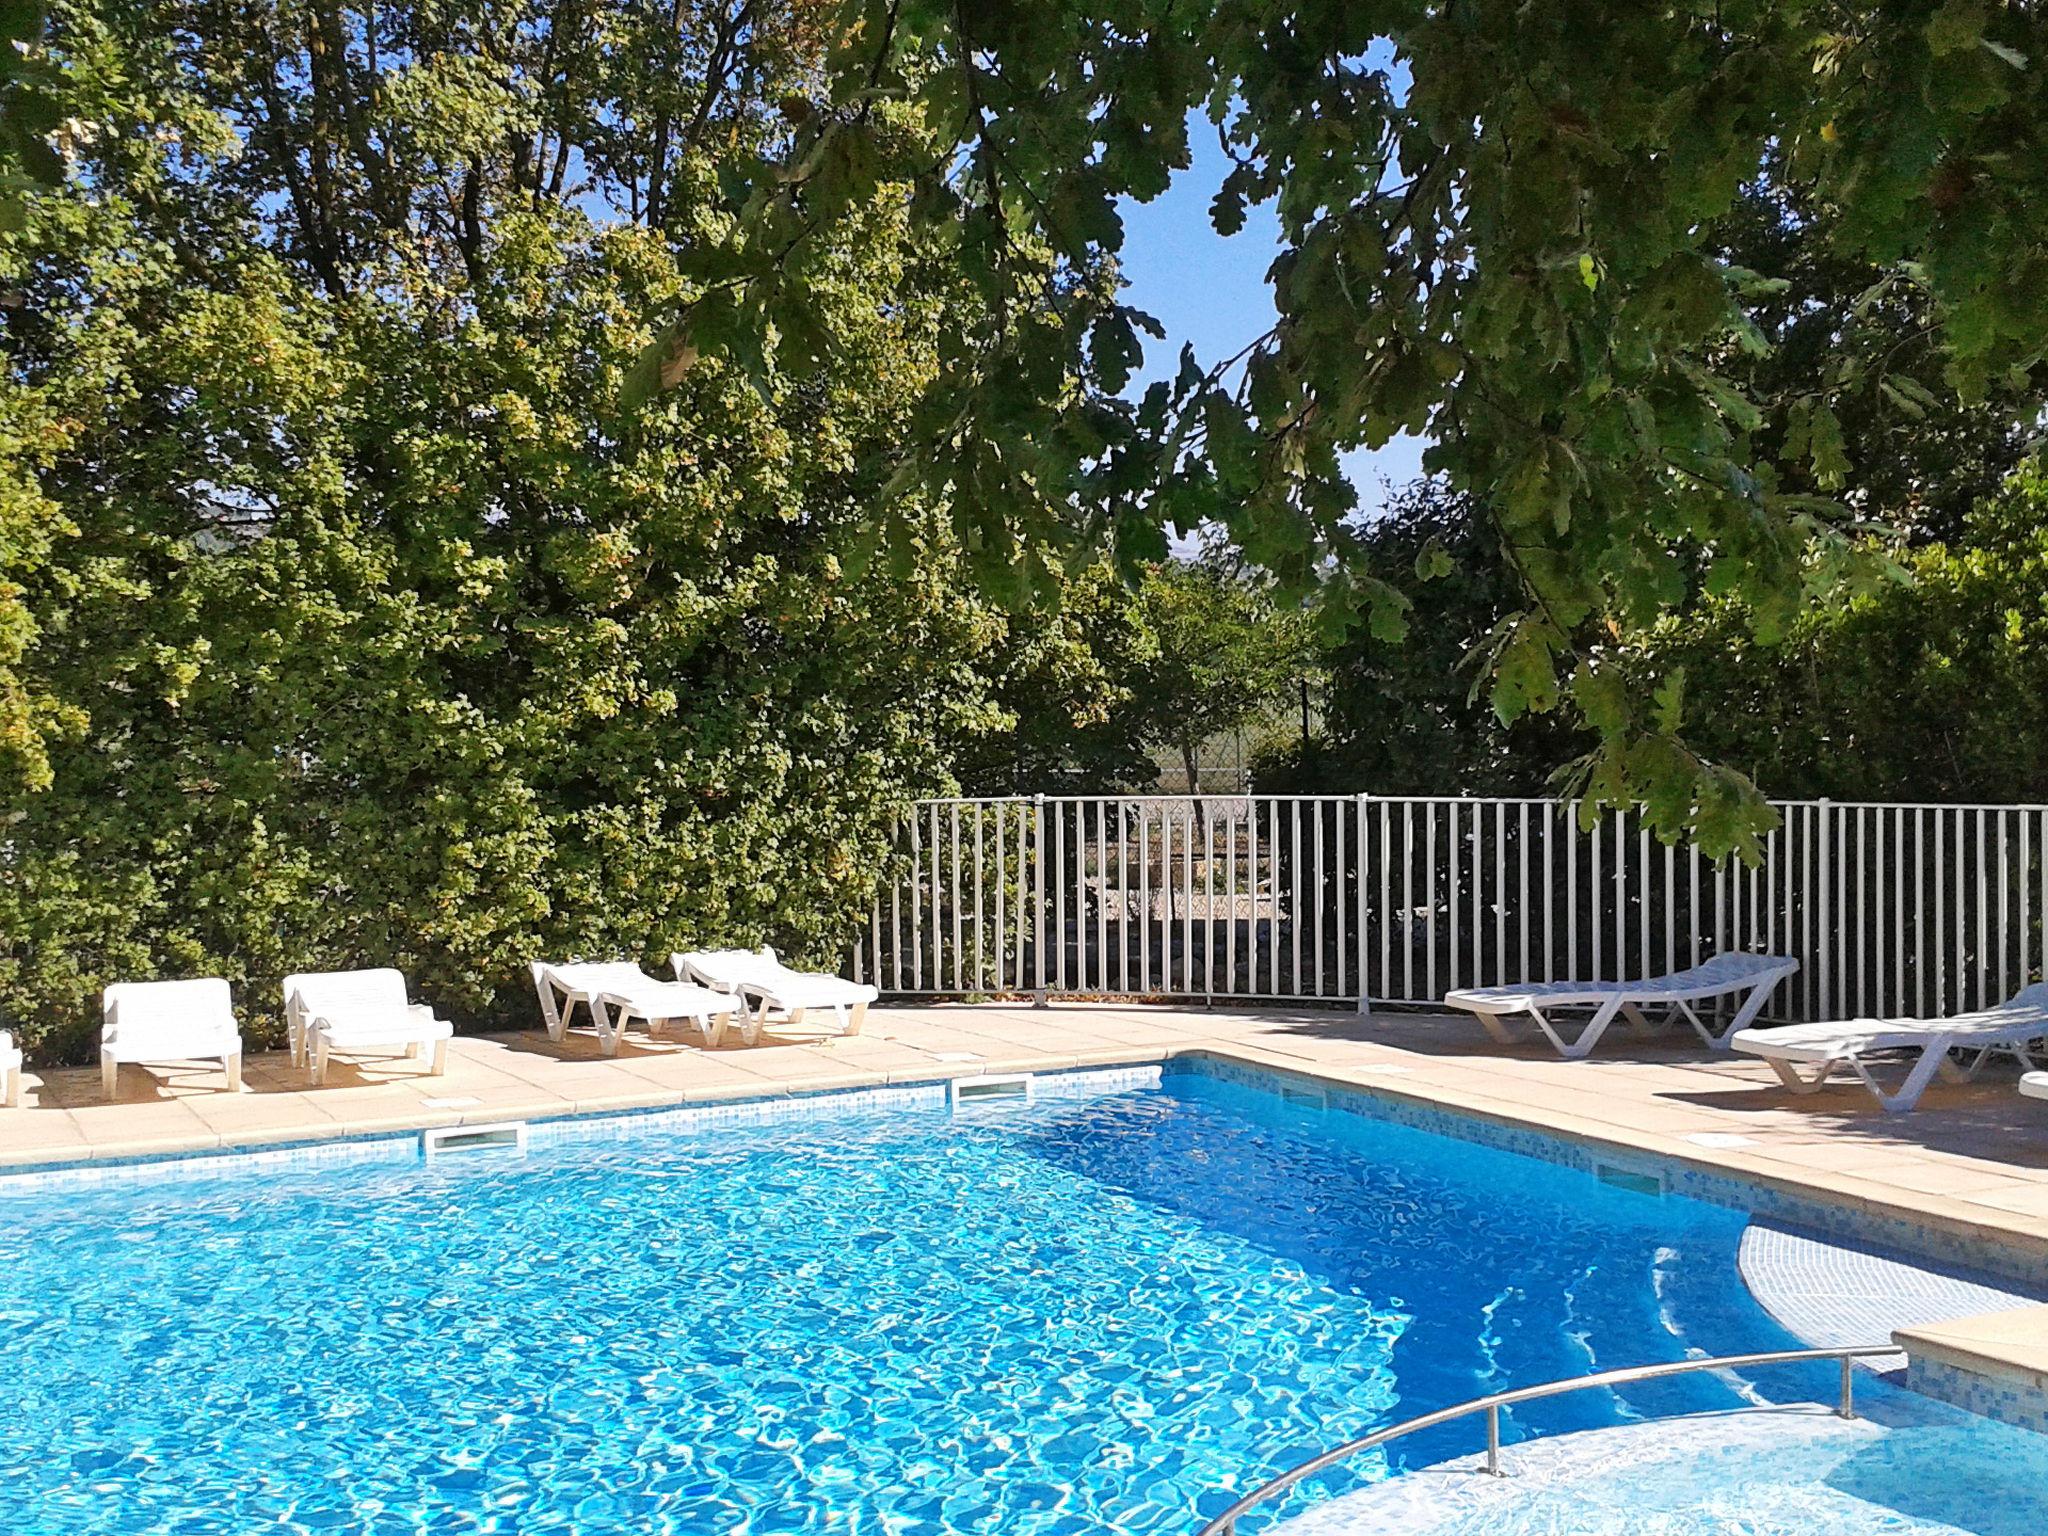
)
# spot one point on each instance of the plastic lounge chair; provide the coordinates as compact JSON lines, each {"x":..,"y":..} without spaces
{"x":169,"y":1021}
{"x":767,"y":985}
{"x":659,"y":1004}
{"x":10,"y":1071}
{"x":350,"y":1011}
{"x":1675,"y":994}
{"x":1804,"y":1054}
{"x":562,"y":987}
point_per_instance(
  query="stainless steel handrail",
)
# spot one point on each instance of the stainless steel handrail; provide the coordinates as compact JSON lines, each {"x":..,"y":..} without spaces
{"x":1225,"y":1524}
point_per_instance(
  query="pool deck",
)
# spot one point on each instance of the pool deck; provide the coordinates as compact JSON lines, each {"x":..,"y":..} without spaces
{"x":1974,"y":1157}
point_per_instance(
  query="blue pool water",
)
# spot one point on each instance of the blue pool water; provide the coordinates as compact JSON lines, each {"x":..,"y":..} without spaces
{"x":1095,"y":1314}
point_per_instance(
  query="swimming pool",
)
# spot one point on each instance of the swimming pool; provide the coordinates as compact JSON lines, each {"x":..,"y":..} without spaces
{"x":1100,"y":1312}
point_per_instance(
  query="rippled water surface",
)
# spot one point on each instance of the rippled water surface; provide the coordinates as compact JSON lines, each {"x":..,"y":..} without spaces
{"x":1089,"y":1315}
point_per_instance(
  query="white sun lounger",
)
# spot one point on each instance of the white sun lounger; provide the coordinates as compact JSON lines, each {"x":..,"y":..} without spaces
{"x":350,"y":1011}
{"x":10,"y":1071}
{"x":617,"y":992}
{"x":766,"y":985}
{"x":1723,"y":976}
{"x":169,"y":1021}
{"x":658,"y":1004}
{"x":1804,"y":1054}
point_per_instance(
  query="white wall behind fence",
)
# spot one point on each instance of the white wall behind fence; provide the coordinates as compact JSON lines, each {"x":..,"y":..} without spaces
{"x":1891,"y":909}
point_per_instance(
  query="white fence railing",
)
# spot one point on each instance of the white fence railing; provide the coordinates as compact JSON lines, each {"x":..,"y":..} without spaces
{"x":1891,"y":909}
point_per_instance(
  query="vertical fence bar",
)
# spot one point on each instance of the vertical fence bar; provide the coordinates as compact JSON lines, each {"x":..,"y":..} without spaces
{"x":1273,"y":846}
{"x":1359,"y":936}
{"x":1982,"y":930}
{"x":1144,"y":902}
{"x":1429,"y":892}
{"x":1550,"y":819}
{"x":1522,"y":886}
{"x":1294,"y":896}
{"x":1333,"y":895}
{"x":1959,"y":998}
{"x":916,"y":907}
{"x":1386,"y":913}
{"x":1500,"y":891}
{"x":1826,"y":844}
{"x":953,"y":825}
{"x":1596,"y":898}
{"x":1200,"y":816}
{"x":1571,"y":890}
{"x":2024,"y":878}
{"x":1230,"y":901}
{"x":1454,"y":842}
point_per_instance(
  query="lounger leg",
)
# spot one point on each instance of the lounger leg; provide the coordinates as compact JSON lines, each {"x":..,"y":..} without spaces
{"x":1746,"y":1015}
{"x":607,"y":1031}
{"x":713,"y":1025}
{"x":234,"y":1066}
{"x":14,"y":1089}
{"x":1587,"y":1038}
{"x":750,"y":1031}
{"x":1699,"y":1027}
{"x":796,"y":1016}
{"x":1790,"y":1075}
{"x":439,"y":1064}
{"x":1636,"y":1017}
{"x":1499,"y":1030}
{"x":1931,"y":1058}
{"x":321,"y":1050}
{"x":549,"y":1014}
{"x":110,"y":1072}
{"x":858,"y":1017}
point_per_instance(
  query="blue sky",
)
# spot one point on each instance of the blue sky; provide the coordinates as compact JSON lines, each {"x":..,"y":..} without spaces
{"x":1212,"y":291}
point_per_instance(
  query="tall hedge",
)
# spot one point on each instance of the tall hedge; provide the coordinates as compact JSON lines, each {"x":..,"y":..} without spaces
{"x":344,"y":619}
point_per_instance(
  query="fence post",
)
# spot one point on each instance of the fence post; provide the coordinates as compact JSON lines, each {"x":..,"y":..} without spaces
{"x":1358,"y":907}
{"x":1038,"y":897}
{"x":1823,"y":933}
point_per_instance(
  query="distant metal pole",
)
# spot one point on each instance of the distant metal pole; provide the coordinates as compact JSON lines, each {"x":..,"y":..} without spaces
{"x":1848,"y":1409}
{"x":1493,"y":1440}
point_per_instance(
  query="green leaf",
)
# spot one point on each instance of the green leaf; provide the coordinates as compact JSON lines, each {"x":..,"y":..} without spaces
{"x":1432,"y":561}
{"x":1602,"y":696}
{"x":1670,"y":701}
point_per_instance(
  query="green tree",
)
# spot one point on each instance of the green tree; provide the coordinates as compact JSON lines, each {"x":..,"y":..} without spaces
{"x":1934,"y":687}
{"x":1224,"y":654}
{"x":354,"y":623}
{"x":1501,"y":227}
{"x":1119,"y":676}
{"x":1410,"y":715}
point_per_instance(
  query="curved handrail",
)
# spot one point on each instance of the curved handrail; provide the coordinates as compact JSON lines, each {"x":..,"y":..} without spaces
{"x":1225,"y":1524}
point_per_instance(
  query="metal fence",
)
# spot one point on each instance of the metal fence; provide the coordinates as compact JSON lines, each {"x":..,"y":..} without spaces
{"x":1891,"y":909}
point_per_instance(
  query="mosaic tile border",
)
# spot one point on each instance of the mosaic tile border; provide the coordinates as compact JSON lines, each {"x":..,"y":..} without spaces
{"x":388,"y":1148}
{"x":1935,"y":1244}
{"x":1979,"y":1392}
